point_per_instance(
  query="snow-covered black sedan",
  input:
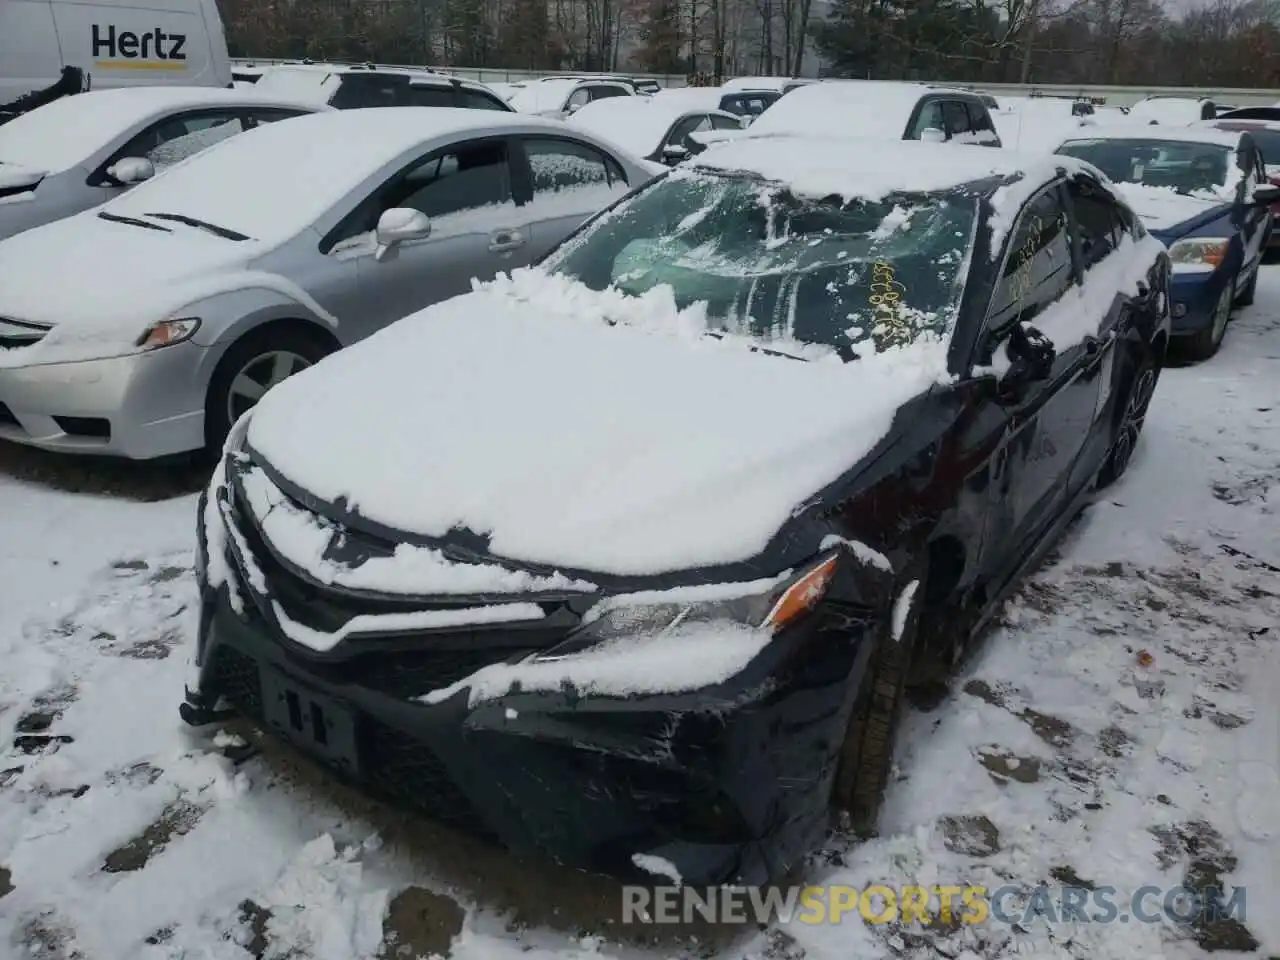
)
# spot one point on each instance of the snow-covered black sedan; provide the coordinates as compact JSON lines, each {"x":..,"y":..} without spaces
{"x":629,"y":556}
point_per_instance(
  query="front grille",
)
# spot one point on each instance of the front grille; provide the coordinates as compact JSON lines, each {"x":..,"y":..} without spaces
{"x":7,"y":419}
{"x":409,"y":772}
{"x":235,"y":676}
{"x":412,"y":673}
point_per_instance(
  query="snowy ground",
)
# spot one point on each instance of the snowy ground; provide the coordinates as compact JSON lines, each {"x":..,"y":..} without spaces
{"x":123,"y":836}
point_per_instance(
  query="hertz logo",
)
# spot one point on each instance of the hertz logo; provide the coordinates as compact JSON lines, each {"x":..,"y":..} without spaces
{"x":154,"y":50}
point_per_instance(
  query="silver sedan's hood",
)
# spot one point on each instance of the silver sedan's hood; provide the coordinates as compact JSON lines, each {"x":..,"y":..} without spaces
{"x":520,"y":414}
{"x":99,"y":283}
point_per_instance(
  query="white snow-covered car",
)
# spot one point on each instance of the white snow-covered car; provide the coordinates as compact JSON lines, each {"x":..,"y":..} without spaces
{"x":654,"y":129}
{"x":80,"y":151}
{"x":875,"y":110}
{"x":628,"y":557}
{"x":561,"y":97}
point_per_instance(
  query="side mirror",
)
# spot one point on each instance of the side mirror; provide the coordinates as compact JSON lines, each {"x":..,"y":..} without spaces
{"x":573,"y":108}
{"x":675,"y":152}
{"x":130,"y":170}
{"x":932,"y":135}
{"x":1264,"y":195}
{"x":398,"y":225}
{"x":1031,"y":357}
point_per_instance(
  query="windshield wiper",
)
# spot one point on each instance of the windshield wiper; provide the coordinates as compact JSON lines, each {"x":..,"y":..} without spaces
{"x":116,"y":218}
{"x":757,"y":348}
{"x":201,"y":225}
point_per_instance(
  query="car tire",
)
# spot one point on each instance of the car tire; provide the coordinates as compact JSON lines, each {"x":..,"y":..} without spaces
{"x":254,"y":355}
{"x":1205,"y":344}
{"x":1131,"y":419}
{"x":1249,"y":293}
{"x":866,"y":756}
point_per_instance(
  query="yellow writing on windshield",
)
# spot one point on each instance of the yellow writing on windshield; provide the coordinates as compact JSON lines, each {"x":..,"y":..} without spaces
{"x":886,"y":300}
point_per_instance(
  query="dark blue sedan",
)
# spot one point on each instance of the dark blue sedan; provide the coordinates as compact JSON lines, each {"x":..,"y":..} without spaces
{"x":1204,"y":194}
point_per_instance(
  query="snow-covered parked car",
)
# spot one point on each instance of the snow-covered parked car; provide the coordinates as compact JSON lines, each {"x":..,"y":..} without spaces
{"x":879,"y":110}
{"x":745,"y":103}
{"x":198,"y":291}
{"x":1039,"y":124}
{"x":654,"y":129}
{"x":1204,"y":193}
{"x":628,"y":556}
{"x":561,"y":97}
{"x":78,"y":152}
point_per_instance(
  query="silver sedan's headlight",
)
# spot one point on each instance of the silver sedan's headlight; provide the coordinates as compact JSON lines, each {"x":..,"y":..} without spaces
{"x":770,"y":605}
{"x":168,"y":332}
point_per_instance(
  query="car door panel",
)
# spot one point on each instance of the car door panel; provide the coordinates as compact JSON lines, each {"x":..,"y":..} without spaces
{"x":1047,"y":422}
{"x":466,"y":191}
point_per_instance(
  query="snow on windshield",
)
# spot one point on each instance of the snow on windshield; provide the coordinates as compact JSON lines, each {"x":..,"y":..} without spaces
{"x":1207,"y":171}
{"x":856,"y":277}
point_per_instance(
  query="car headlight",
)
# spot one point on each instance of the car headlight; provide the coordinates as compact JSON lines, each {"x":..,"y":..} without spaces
{"x":168,"y":332}
{"x":772,"y":606}
{"x":1199,"y":252}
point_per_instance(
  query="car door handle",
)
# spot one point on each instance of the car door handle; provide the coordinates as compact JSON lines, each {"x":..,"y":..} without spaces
{"x":503,"y":240}
{"x":1093,"y":345}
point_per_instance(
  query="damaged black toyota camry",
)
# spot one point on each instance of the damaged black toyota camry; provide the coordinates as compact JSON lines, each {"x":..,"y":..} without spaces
{"x":629,"y":557}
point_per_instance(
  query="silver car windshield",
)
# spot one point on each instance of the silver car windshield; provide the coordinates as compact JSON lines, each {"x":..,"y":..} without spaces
{"x":776,"y":268}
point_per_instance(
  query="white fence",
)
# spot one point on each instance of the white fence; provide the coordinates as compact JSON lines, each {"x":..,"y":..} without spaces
{"x":1114,"y":96}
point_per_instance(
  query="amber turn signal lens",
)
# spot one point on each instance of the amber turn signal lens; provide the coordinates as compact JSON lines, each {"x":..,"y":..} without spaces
{"x":802,"y":596}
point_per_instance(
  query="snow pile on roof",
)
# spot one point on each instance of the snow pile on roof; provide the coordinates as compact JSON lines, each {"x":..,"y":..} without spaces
{"x":517,"y":412}
{"x":301,"y":538}
{"x":687,"y":657}
{"x":1132,"y":130}
{"x":66,"y":132}
{"x":854,"y":108}
{"x":704,"y":98}
{"x":769,"y":83}
{"x":305,"y":83}
{"x":824,"y":166}
{"x":636,"y":124}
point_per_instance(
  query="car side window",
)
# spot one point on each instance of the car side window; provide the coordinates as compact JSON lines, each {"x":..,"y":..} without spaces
{"x":929,"y":118}
{"x":724,"y":123}
{"x":680,"y":132}
{"x":1037,"y":269}
{"x":1098,"y":221}
{"x":579,"y":98}
{"x":956,"y":118}
{"x":178,"y":137}
{"x":478,"y":100}
{"x":425,"y":95}
{"x":980,"y":121}
{"x":459,"y":179}
{"x":558,"y":164}
{"x":606,"y":91}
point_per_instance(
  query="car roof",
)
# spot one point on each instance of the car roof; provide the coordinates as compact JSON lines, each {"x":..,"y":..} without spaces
{"x":69,"y":130}
{"x":274,"y":180}
{"x":1169,"y":133}
{"x":853,"y":167}
{"x":321,"y":71}
{"x":638,"y":124}
{"x":876,"y":109}
{"x":1241,"y":123}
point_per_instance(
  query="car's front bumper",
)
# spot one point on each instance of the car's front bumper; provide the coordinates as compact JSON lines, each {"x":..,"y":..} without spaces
{"x":1193,"y":297}
{"x":730,"y":784}
{"x":138,"y":406}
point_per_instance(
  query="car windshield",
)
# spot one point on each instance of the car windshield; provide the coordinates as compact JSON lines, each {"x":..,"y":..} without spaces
{"x":1186,"y":167}
{"x":845,"y":276}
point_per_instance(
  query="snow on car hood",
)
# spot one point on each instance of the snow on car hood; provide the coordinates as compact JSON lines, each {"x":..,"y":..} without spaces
{"x":1163,"y":207}
{"x":100,"y":284}
{"x":590,"y":431}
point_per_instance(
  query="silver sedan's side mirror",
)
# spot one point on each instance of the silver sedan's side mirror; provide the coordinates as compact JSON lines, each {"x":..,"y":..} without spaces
{"x":398,"y":225}
{"x":131,"y":170}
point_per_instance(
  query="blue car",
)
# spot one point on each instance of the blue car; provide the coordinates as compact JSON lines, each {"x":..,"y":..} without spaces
{"x":1203,"y":192}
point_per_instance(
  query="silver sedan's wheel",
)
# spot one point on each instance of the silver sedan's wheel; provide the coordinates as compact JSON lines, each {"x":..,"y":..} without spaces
{"x":258,"y":376}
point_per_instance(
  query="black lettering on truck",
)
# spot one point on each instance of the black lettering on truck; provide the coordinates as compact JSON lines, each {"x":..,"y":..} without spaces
{"x":109,"y":42}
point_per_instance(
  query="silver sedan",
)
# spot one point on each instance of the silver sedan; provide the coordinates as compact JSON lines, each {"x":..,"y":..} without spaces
{"x":196,"y":292}
{"x":80,"y":151}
